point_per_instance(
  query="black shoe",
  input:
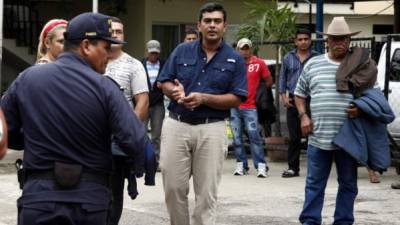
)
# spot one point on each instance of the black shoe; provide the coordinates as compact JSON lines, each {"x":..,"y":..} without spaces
{"x":290,"y":173}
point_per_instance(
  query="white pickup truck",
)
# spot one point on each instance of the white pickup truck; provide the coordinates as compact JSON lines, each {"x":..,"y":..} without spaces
{"x":394,"y":84}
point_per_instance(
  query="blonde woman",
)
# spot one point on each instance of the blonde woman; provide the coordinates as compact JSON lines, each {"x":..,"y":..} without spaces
{"x":51,"y":41}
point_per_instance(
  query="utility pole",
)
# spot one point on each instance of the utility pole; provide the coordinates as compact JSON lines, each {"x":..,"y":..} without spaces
{"x":320,"y":25}
{"x":95,"y":6}
{"x":396,"y":6}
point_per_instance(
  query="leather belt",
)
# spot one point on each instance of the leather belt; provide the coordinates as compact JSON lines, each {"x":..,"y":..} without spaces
{"x":194,"y":121}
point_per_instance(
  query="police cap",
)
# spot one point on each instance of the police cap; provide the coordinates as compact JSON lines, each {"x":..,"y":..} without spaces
{"x":91,"y":26}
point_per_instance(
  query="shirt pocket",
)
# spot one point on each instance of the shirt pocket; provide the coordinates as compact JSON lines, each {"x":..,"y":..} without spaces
{"x":222,"y":74}
{"x":185,"y":69}
{"x":294,"y":69}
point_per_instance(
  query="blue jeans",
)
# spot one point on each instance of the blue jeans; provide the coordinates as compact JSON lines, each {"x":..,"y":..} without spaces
{"x":247,"y":118}
{"x":155,"y":118}
{"x":319,"y":163}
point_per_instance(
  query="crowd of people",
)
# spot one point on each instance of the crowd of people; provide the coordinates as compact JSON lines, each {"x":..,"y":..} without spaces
{"x":82,"y":115}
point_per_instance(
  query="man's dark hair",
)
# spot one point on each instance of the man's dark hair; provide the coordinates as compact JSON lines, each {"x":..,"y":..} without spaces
{"x":303,"y":31}
{"x":191,"y":31}
{"x":72,"y":45}
{"x":211,"y":7}
{"x":116,"y":20}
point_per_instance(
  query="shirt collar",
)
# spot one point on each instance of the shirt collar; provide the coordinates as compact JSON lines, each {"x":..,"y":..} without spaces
{"x":74,"y":56}
{"x":252,"y":60}
{"x":311,"y":53}
{"x":149,"y":63}
{"x":199,"y":44}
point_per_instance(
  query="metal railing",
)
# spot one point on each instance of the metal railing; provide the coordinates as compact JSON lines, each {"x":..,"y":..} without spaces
{"x":21,"y":22}
{"x":365,"y":42}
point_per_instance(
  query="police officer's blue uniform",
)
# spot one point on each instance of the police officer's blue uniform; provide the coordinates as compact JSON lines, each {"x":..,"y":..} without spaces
{"x":68,"y":113}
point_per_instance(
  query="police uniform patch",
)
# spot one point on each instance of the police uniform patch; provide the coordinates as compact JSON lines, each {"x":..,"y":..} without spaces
{"x":91,"y":34}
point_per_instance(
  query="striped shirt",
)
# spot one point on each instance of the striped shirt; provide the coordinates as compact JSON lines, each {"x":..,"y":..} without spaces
{"x":328,"y":107}
{"x":152,"y":70}
{"x":129,"y":73}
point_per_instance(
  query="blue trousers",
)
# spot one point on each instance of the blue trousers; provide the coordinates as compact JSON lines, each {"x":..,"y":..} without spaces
{"x":42,"y":203}
{"x":248,"y":119}
{"x":53,"y":213}
{"x":156,"y":118}
{"x":318,"y":168}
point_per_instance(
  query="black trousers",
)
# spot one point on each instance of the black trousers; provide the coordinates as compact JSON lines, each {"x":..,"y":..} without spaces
{"x":120,"y":172}
{"x":293,"y":122}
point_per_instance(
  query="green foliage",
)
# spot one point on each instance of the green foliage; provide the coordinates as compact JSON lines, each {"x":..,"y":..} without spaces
{"x":268,"y":22}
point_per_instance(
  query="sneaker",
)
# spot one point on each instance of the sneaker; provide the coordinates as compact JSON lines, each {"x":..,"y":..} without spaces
{"x":396,"y":185}
{"x":262,"y":170}
{"x":239,"y":169}
{"x":290,"y":173}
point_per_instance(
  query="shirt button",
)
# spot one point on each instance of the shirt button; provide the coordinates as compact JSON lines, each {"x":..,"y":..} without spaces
{"x":203,"y":71}
{"x":199,"y":83}
{"x":204,"y":59}
{"x":185,"y":64}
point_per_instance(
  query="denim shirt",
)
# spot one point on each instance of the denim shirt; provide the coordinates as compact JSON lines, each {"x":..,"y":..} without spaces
{"x":291,"y":70}
{"x":224,"y":73}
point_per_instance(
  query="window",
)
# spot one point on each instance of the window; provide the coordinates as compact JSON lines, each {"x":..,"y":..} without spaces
{"x":395,"y":66}
{"x":170,"y":36}
{"x":382,"y":29}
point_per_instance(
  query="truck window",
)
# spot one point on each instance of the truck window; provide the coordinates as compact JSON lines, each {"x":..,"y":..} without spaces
{"x":395,"y":66}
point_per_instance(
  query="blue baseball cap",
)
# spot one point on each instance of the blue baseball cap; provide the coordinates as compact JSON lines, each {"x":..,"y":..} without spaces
{"x":90,"y":26}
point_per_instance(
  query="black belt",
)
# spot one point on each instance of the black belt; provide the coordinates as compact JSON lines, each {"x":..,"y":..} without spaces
{"x":194,"y":121}
{"x":85,"y":176}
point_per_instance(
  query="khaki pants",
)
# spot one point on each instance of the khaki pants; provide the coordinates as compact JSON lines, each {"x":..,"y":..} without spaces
{"x":187,"y":150}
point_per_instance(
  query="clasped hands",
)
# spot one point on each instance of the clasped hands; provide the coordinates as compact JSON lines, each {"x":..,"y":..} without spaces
{"x":193,"y":100}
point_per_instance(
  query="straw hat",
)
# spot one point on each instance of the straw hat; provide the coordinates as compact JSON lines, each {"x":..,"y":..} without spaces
{"x":339,"y":27}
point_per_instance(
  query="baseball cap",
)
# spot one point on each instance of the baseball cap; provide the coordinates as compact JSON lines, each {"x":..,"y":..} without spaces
{"x":91,"y":26}
{"x":244,"y":41}
{"x":153,"y":46}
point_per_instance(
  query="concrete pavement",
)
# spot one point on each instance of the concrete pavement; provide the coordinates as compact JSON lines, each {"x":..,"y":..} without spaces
{"x":242,"y":200}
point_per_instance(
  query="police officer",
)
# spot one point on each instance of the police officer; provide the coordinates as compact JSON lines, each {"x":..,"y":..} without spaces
{"x":68,"y":112}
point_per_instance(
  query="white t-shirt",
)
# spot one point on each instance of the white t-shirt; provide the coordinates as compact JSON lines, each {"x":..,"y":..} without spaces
{"x":129,"y":73}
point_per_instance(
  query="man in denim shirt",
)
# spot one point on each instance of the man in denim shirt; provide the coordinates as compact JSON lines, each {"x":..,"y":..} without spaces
{"x":292,"y":66}
{"x":203,"y":79}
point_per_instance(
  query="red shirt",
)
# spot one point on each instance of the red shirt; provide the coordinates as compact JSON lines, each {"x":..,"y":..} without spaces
{"x":256,"y":70}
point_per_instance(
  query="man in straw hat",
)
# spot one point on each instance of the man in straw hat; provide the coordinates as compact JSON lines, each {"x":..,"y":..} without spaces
{"x":329,"y":109}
